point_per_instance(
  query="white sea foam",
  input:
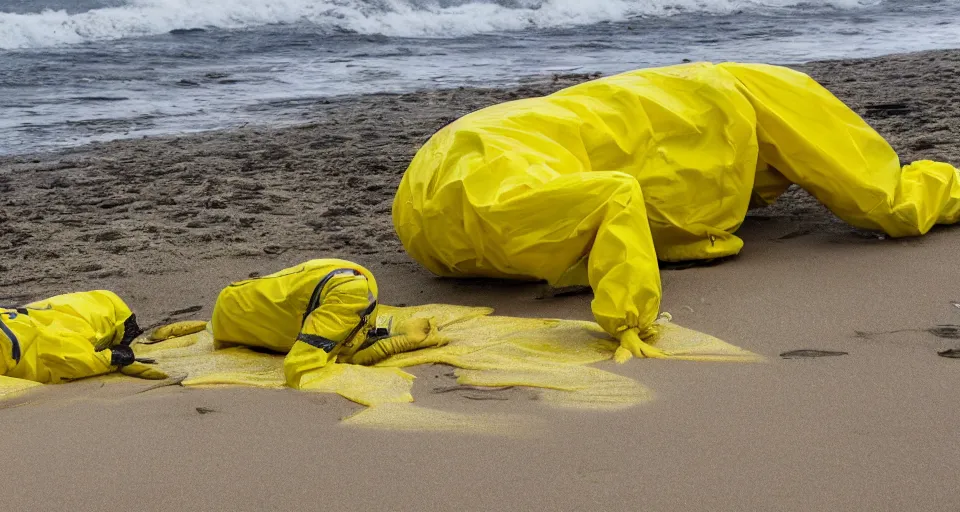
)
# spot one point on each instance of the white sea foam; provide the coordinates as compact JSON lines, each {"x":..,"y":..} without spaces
{"x":403,"y":18}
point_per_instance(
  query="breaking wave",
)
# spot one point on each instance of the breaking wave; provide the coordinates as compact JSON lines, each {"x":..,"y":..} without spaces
{"x":399,"y":18}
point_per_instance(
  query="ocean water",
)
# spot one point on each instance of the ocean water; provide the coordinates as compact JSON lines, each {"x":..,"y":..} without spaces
{"x":75,"y":71}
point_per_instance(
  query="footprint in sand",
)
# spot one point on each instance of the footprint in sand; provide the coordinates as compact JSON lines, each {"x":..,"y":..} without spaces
{"x":945,"y":331}
{"x":805,"y":353}
{"x":171,"y":316}
{"x":483,"y":393}
{"x":185,"y":311}
{"x":474,"y":393}
{"x":796,"y":234}
{"x":549,"y":292}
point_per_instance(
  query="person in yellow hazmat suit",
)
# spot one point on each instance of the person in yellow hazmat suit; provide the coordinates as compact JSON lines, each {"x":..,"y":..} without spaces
{"x":597,"y":183}
{"x":317,"y":312}
{"x":70,"y":337}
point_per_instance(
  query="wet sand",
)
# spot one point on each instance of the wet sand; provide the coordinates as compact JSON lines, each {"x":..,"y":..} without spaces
{"x":166,"y":222}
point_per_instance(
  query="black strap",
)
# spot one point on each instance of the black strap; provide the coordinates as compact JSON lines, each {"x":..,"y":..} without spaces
{"x":325,"y":344}
{"x":14,"y":342}
{"x":374,"y":336}
{"x":315,"y":296}
{"x":364,"y":316}
{"x":372,"y":306}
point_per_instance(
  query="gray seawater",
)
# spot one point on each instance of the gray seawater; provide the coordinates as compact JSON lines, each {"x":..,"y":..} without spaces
{"x":76,"y":71}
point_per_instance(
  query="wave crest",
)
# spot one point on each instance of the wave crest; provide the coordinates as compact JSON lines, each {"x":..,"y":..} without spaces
{"x":400,"y":18}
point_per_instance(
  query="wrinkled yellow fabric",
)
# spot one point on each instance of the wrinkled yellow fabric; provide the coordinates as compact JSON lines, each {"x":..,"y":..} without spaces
{"x":817,"y":142}
{"x":554,"y":357}
{"x":12,"y":386}
{"x":312,"y":312}
{"x":362,"y":384}
{"x":493,"y":351}
{"x":595,"y":183}
{"x":64,"y":337}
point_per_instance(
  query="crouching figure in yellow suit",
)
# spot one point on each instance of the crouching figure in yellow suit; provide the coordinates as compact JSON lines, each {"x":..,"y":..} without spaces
{"x":318,"y":312}
{"x":69,"y":337}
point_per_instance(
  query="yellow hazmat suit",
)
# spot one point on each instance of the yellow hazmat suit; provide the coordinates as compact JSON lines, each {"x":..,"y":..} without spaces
{"x":595,"y":183}
{"x":314,"y":312}
{"x":68,"y":337}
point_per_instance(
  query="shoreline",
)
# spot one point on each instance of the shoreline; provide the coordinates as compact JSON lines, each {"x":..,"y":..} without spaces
{"x":526,"y":86}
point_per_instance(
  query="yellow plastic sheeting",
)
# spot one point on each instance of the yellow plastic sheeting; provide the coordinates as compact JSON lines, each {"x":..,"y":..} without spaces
{"x":595,"y":183}
{"x":499,"y":351}
{"x":413,"y":418}
{"x":552,"y":356}
{"x":195,"y":357}
{"x":12,"y":386}
{"x":364,"y":385}
{"x":566,"y":386}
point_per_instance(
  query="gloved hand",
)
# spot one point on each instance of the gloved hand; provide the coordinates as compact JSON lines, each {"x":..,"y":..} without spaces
{"x":416,"y":328}
{"x":631,"y":345}
{"x":177,"y":329}
{"x":413,"y":334}
{"x":123,"y":357}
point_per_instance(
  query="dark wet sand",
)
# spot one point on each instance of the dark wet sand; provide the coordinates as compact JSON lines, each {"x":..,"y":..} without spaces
{"x":166,"y":222}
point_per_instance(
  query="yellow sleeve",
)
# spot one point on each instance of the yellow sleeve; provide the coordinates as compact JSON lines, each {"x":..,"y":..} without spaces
{"x":330,"y":327}
{"x":819,"y":143}
{"x":67,"y":356}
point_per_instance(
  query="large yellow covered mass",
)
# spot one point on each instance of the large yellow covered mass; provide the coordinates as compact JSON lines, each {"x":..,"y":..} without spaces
{"x":595,"y":183}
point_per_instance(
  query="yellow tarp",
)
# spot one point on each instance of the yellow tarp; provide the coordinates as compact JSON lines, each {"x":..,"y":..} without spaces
{"x":552,"y":356}
{"x":595,"y":183}
{"x":12,"y":386}
{"x":488,"y":350}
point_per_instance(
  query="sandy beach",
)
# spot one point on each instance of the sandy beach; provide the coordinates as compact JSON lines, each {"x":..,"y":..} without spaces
{"x":167,"y":222}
